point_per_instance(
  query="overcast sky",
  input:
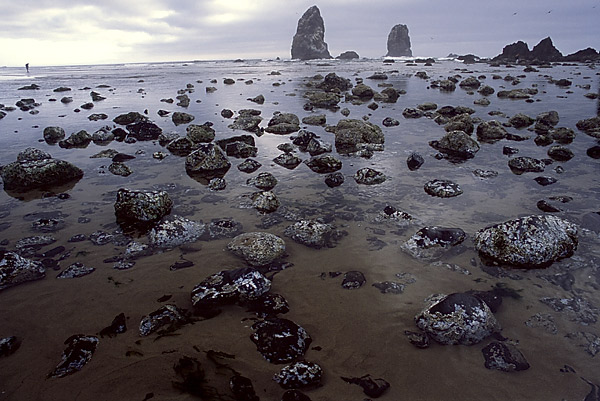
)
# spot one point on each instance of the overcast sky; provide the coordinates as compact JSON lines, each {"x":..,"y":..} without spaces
{"x":67,"y":32}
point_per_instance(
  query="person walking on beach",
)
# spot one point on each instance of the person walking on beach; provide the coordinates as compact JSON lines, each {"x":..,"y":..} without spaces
{"x":27,"y":67}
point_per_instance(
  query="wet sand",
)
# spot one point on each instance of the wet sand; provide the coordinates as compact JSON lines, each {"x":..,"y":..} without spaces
{"x":354,"y":332}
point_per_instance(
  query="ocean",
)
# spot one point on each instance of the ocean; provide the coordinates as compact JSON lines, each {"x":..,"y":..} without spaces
{"x":354,"y":332}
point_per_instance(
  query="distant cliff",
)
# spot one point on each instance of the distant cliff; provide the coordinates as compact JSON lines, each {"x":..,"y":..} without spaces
{"x":542,"y":52}
{"x":309,"y":40}
{"x":398,"y":44}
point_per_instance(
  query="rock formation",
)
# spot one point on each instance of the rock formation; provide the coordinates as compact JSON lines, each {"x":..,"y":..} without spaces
{"x":309,"y":40}
{"x":543,"y":52}
{"x":398,"y":43}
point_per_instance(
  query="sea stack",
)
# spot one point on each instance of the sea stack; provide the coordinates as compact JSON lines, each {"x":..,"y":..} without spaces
{"x":309,"y":40}
{"x":398,"y":44}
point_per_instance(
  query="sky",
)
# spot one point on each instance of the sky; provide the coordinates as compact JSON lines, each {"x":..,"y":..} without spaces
{"x":80,"y":32}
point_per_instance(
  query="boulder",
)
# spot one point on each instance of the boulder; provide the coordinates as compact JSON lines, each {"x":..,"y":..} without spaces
{"x":280,"y":340}
{"x":163,"y":316}
{"x":78,"y":353}
{"x":458,"y":318}
{"x":300,"y":374}
{"x":369,"y":176}
{"x":144,"y":131}
{"x":174,"y":231}
{"x":398,"y":43}
{"x":76,"y":270}
{"x":333,"y":82}
{"x":265,"y":201}
{"x":560,"y":153}
{"x":348,"y":55}
{"x":208,"y":160}
{"x":521,"y":120}
{"x":491,"y":131}
{"x":456,"y":144}
{"x":52,"y":135}
{"x":9,"y":345}
{"x":288,"y":160}
{"x":443,"y":188}
{"x":200,"y":133}
{"x":15,"y":270}
{"x":247,"y":120}
{"x":311,"y":233}
{"x":470,"y":83}
{"x":334,"y":180}
{"x":265,"y":181}
{"x":414,"y":161}
{"x":37,"y":169}
{"x":257,"y":248}
{"x":504,"y":356}
{"x":323,"y":164}
{"x":179,"y":118}
{"x":80,"y":139}
{"x":590,"y":126}
{"x":326,"y":100}
{"x":309,"y":41}
{"x":320,"y":119}
{"x":350,"y":134}
{"x":520,"y":165}
{"x":362,"y":91}
{"x":249,"y":166}
{"x":527,"y":242}
{"x":283,"y":123}
{"x":230,"y":286}
{"x":142,"y":206}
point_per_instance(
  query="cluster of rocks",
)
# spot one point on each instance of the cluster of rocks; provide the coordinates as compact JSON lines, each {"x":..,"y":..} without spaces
{"x":543,"y":52}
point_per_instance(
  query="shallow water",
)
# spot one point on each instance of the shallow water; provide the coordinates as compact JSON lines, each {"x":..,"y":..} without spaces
{"x":354,"y":332}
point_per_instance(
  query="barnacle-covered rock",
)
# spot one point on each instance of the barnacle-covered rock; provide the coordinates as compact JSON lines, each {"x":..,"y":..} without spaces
{"x":80,"y":349}
{"x":457,"y":318}
{"x":165,"y":315}
{"x":257,"y":248}
{"x":142,"y":206}
{"x":299,"y":374}
{"x":174,"y":231}
{"x":504,"y":356}
{"x":529,"y":242}
{"x":15,"y":269}
{"x":280,"y":340}
{"x":230,"y":286}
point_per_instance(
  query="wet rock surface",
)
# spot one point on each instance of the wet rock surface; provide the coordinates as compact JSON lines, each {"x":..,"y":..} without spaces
{"x":257,"y":248}
{"x":230,"y":286}
{"x":280,"y":340}
{"x":9,"y":345}
{"x":309,"y":40}
{"x":15,"y":270}
{"x":457,"y":319}
{"x":173,"y":231}
{"x":301,"y":374}
{"x":371,"y":387}
{"x":443,"y":188}
{"x":142,"y":206}
{"x":529,"y":242}
{"x":79,"y":352}
{"x":504,"y":356}
{"x":167,"y":315}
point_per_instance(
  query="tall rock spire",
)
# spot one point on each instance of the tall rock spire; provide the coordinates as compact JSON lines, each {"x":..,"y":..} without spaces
{"x":398,"y":43}
{"x":309,"y":40}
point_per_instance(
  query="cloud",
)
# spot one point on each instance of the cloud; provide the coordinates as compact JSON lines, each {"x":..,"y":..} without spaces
{"x":115,"y":31}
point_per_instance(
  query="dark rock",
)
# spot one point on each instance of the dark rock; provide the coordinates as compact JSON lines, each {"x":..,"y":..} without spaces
{"x":414,"y":161}
{"x":491,"y":131}
{"x":582,"y":55}
{"x":369,"y":176}
{"x":230,"y":286}
{"x":333,"y":82}
{"x":456,"y":144}
{"x":348,"y":55}
{"x":326,"y":100}
{"x":120,"y":169}
{"x":334,"y":179}
{"x":283,"y":123}
{"x":52,"y":135}
{"x":390,"y":95}
{"x":268,"y":304}
{"x":226,"y":113}
{"x":320,"y":119}
{"x":265,"y":201}
{"x":294,"y":395}
{"x":76,"y":270}
{"x":545,"y":51}
{"x":80,"y":139}
{"x":118,"y":326}
{"x":280,"y":340}
{"x":590,"y":126}
{"x":208,"y":160}
{"x":443,"y":188}
{"x":259,"y":99}
{"x":353,"y":280}
{"x":470,"y":83}
{"x":520,"y":165}
{"x":312,"y":233}
{"x":242,"y":388}
{"x":257,"y":248}
{"x":300,"y":374}
{"x":457,"y":318}
{"x":200,"y":133}
{"x":174,"y":231}
{"x":433,"y":236}
{"x":194,"y":378}
{"x":308,"y":42}
{"x":142,"y":206}
{"x":15,"y":269}
{"x":560,"y":153}
{"x":418,"y":339}
{"x":78,"y":353}
{"x":362,"y":91}
{"x":317,"y":147}
{"x":9,"y":345}
{"x":486,"y":90}
{"x":144,"y":131}
{"x":562,"y":135}
{"x":324,"y":164}
{"x":288,"y":160}
{"x":389,"y":287}
{"x":398,"y":43}
{"x":371,"y":387}
{"x":461,"y":122}
{"x":513,"y":52}
{"x":247,"y":120}
{"x":390,"y":122}
{"x":577,"y":309}
{"x":265,"y":181}
{"x":521,"y":120}
{"x":546,"y":207}
{"x":249,"y":166}
{"x":546,"y":121}
{"x":411,"y":112}
{"x":528,"y":242}
{"x":504,"y":356}
{"x":509,"y":151}
{"x":544,"y":181}
{"x":169,"y":315}
{"x":594,"y":152}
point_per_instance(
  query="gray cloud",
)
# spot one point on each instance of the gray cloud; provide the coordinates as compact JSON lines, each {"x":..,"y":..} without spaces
{"x":162,"y":30}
